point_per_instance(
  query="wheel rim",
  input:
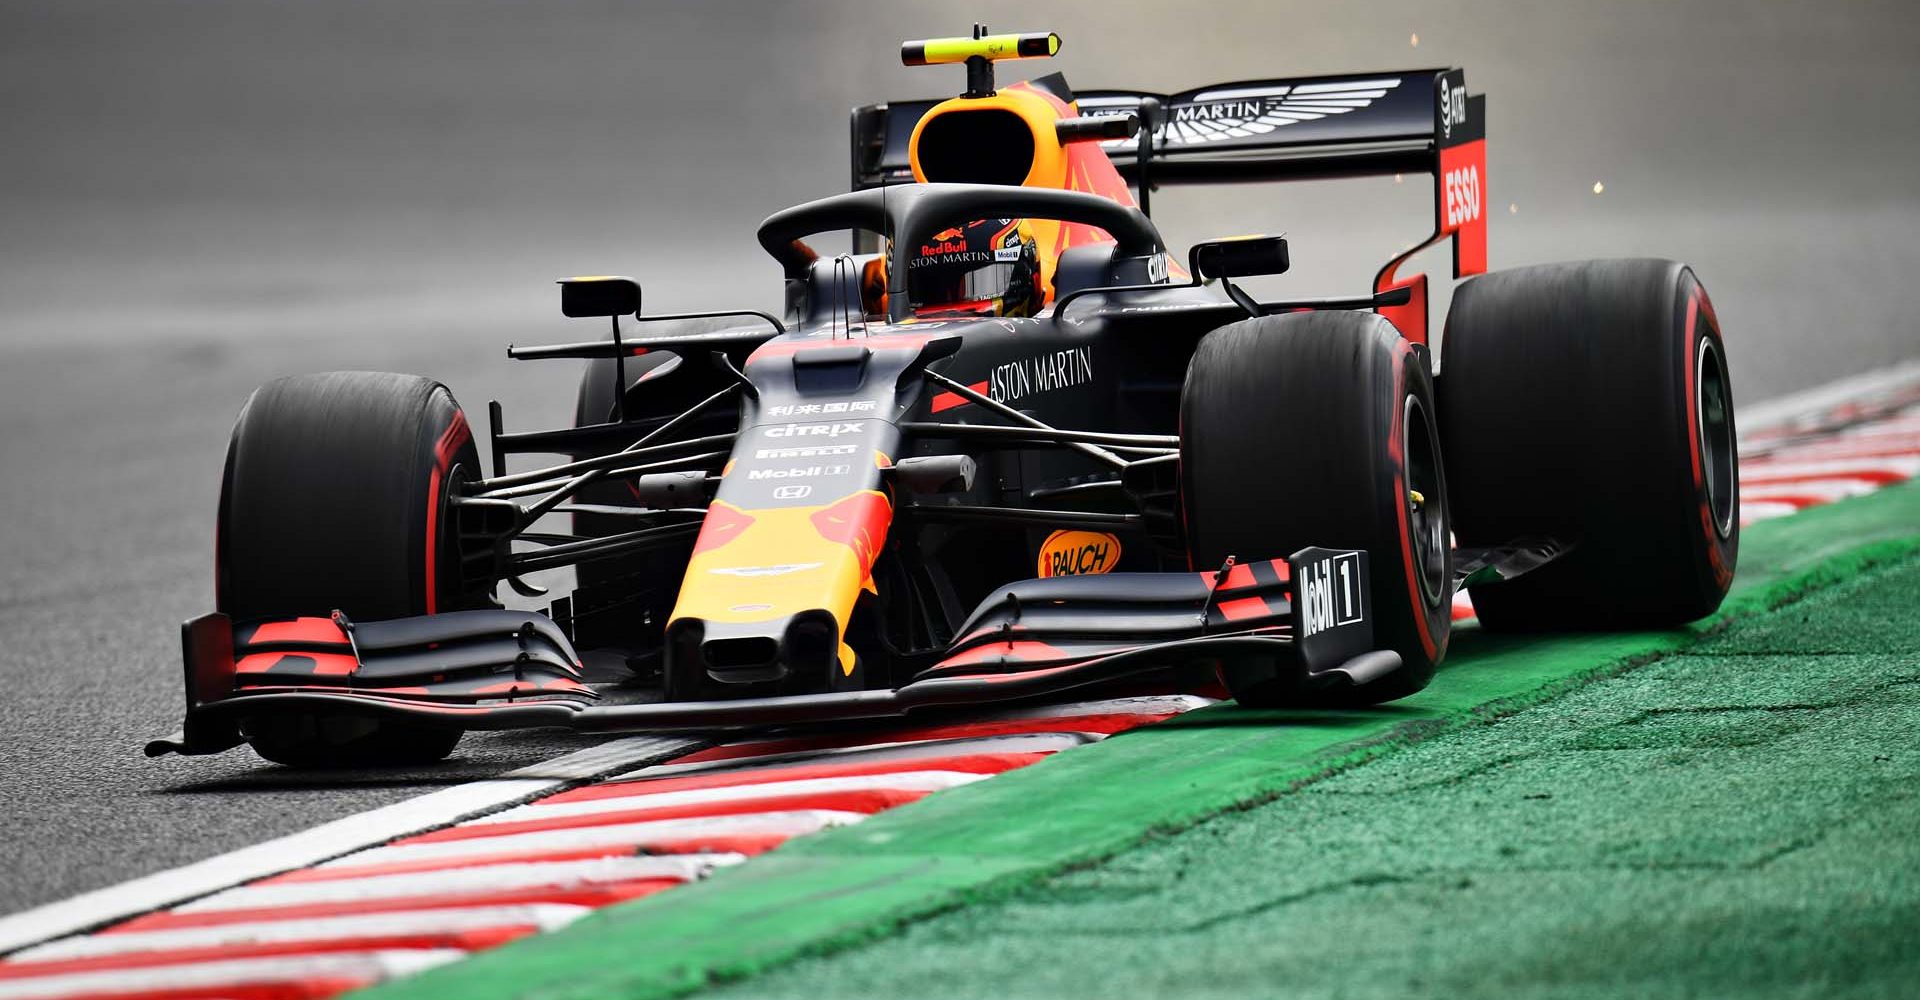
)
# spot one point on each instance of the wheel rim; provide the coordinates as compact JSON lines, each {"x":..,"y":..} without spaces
{"x":1426,"y":516}
{"x":1714,"y":404}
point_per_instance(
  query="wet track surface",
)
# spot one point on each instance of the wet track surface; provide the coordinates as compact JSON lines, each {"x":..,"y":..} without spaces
{"x":108,"y":551}
{"x":173,"y":239}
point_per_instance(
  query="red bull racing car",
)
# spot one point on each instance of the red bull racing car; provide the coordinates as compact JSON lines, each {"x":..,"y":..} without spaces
{"x":1009,"y":446}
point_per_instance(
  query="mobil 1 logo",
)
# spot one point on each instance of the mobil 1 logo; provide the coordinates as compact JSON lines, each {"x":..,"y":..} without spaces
{"x":789,"y":463}
{"x":1331,"y":589}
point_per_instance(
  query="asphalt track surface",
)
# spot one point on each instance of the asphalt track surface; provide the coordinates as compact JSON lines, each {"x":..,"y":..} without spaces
{"x":201,"y":198}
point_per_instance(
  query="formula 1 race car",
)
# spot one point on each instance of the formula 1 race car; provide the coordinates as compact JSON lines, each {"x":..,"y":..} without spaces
{"x":1010,"y":448}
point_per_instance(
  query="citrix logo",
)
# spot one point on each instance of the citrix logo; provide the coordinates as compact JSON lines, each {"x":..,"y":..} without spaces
{"x":812,"y":430}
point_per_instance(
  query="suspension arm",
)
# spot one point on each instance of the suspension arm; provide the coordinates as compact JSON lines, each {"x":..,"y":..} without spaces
{"x":594,"y":549}
{"x":1158,"y":443}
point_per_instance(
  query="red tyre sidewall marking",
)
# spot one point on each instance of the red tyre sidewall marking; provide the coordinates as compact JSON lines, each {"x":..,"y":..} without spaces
{"x":1396,"y":451}
{"x":1691,"y":349}
{"x":450,"y":441}
{"x":1690,"y":344}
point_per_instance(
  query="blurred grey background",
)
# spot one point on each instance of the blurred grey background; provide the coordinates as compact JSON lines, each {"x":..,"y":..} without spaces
{"x":253,"y":172}
{"x":199,"y":196}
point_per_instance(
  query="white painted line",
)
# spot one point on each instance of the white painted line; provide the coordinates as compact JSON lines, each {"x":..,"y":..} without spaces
{"x":1836,"y":449}
{"x":1903,"y":427}
{"x":906,"y":781}
{"x":1908,"y":422}
{"x":769,"y":751}
{"x":774,"y":824}
{"x":364,"y":967}
{"x":1762,"y":510}
{"x":1819,"y":399}
{"x":545,"y":916}
{"x":457,"y":881}
{"x":1065,"y":712}
{"x":377,"y":826}
{"x":901,"y":750}
{"x":1826,"y":490}
{"x":1768,"y":470}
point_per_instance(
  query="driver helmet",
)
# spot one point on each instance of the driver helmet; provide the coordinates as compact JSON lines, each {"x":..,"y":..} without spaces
{"x":986,"y":268}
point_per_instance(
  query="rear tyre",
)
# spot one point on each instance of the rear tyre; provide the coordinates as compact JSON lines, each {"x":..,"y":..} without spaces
{"x":1314,"y":429}
{"x":334,"y":498}
{"x":1589,"y":402}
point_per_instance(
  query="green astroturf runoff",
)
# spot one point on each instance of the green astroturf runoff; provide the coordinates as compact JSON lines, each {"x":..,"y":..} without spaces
{"x":1726,"y":809}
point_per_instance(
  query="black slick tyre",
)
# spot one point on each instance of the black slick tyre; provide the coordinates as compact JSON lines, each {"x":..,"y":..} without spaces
{"x":334,"y":498}
{"x":1318,"y":429}
{"x":1589,"y":402}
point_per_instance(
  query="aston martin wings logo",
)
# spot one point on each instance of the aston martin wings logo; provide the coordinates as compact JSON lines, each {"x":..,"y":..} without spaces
{"x":1238,"y":112}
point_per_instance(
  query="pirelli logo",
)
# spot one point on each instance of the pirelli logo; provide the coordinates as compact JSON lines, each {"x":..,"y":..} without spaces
{"x":817,"y":451}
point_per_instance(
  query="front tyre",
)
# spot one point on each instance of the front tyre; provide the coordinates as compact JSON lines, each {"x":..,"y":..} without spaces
{"x":1319,"y":429}
{"x":335,"y":498}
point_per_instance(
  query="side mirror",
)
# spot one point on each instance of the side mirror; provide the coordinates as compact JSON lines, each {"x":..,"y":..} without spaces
{"x":1239,"y":257}
{"x":599,"y":295}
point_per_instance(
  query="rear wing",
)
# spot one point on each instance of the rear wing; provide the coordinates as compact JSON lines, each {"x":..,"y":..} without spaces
{"x":1310,"y":128}
{"x":1302,"y":128}
{"x":1328,"y":126}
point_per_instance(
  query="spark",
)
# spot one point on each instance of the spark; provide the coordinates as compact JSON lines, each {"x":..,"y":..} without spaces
{"x":1598,"y":187}
{"x":1415,"y":40}
{"x":1513,"y":208}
